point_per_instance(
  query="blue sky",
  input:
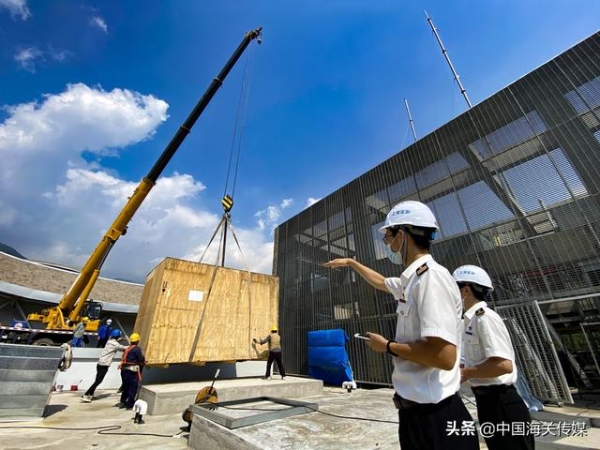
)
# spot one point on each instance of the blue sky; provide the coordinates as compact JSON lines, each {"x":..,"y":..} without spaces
{"x":92,"y":92}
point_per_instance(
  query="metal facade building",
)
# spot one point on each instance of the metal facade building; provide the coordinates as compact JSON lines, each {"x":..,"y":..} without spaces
{"x":514,"y":183}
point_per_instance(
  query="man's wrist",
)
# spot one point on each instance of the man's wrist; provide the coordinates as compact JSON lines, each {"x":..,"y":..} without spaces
{"x":388,"y":348}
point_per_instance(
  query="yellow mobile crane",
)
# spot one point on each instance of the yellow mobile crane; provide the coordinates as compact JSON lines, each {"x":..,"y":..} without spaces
{"x":74,"y":305}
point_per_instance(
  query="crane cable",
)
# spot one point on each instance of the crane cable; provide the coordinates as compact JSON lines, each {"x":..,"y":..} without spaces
{"x":240,"y":120}
{"x":240,"y":123}
{"x":227,"y":200}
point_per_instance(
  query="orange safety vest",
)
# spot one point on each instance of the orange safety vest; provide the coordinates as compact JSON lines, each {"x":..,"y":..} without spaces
{"x":124,"y":361}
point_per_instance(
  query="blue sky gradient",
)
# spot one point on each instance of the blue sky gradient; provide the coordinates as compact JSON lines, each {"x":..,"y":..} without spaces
{"x":93,"y":91}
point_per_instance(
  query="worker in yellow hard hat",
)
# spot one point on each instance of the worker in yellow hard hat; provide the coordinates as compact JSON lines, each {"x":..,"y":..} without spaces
{"x":131,"y":367}
{"x":274,"y":341}
{"x":78,"y":333}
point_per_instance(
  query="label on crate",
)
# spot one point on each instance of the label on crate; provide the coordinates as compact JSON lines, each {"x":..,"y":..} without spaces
{"x":195,"y":296}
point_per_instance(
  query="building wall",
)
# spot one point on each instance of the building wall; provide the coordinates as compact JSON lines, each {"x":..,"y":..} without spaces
{"x":514,"y":183}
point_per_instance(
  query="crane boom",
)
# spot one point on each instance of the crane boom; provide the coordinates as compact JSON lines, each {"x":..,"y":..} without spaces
{"x":83,"y":284}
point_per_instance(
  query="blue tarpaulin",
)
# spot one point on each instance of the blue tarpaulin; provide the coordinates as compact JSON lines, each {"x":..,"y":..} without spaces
{"x":327,"y":357}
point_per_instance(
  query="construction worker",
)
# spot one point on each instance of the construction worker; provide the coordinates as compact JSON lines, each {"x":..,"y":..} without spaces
{"x":425,"y":353}
{"x":131,"y":367}
{"x":104,"y":333}
{"x":489,"y":364}
{"x":274,"y":341}
{"x":78,"y":333}
{"x":110,"y":350}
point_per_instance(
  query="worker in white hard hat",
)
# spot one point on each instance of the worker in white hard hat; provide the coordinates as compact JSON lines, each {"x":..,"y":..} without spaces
{"x":425,"y":353}
{"x":489,"y":364}
{"x":104,"y":333}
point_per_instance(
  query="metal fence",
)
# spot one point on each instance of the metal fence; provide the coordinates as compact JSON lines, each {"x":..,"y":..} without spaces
{"x":535,"y":353}
{"x":514,"y":183}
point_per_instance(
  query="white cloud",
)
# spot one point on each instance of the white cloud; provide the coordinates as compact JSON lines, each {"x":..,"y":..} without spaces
{"x":58,"y":55}
{"x":38,"y":139}
{"x":55,"y":206}
{"x":268,"y":218}
{"x":99,"y":22}
{"x":16,"y":8}
{"x":311,"y":201}
{"x":30,"y":57}
{"x":7,"y":214}
{"x":27,"y":57}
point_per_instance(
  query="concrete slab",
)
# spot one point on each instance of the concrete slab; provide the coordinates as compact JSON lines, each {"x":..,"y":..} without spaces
{"x":73,"y":424}
{"x":70,"y":423}
{"x":176,"y":397}
{"x":363,"y":419}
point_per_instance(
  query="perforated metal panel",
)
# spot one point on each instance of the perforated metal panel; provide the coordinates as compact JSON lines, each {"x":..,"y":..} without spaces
{"x":535,"y":353}
{"x":26,"y":376}
{"x":515,"y":185}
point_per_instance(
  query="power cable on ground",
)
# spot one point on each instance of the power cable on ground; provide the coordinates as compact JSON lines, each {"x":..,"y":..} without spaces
{"x":306,"y":406}
{"x":107,"y":429}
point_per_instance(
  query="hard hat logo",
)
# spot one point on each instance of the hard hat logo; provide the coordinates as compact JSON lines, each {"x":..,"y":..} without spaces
{"x":410,"y":213}
{"x":473,"y":274}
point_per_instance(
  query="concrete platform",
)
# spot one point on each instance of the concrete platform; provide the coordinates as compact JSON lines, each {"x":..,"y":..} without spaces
{"x":176,"y":397}
{"x":73,"y":424}
{"x":334,"y":426}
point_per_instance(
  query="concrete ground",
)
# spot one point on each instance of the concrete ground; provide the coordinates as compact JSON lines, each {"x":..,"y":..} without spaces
{"x":73,"y":424}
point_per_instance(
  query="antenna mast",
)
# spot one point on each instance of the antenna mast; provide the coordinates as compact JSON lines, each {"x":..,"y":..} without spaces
{"x":410,"y":119}
{"x":445,"y":53}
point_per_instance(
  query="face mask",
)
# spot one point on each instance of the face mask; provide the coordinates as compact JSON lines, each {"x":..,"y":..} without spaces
{"x":395,"y":258}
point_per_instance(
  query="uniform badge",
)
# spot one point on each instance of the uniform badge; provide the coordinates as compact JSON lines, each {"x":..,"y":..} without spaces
{"x":480,"y":312}
{"x":421,"y":270}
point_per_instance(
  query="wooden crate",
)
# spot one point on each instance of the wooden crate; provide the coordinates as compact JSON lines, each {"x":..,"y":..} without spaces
{"x":196,"y":313}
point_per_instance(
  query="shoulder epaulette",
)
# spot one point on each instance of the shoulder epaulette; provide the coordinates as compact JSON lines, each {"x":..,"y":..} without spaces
{"x":480,"y":312}
{"x":421,"y":270}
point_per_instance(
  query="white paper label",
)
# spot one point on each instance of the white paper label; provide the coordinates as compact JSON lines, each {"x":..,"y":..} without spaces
{"x":196,"y":296}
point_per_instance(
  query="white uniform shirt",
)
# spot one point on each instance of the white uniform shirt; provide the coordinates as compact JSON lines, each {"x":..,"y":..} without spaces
{"x":429,"y":305}
{"x":485,"y":337}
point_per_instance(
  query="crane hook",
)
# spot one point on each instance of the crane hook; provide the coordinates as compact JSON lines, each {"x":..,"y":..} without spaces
{"x":227,"y":203}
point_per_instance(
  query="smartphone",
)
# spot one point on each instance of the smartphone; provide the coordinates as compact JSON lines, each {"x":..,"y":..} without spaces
{"x":361,"y":336}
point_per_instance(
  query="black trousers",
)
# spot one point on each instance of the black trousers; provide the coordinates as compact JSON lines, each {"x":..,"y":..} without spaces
{"x":100,"y":374}
{"x":437,"y":426}
{"x":503,"y":405}
{"x":130,"y":384}
{"x":275,"y":356}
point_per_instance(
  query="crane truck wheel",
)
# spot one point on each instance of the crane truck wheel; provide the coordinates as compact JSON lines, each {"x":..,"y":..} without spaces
{"x":46,"y":342}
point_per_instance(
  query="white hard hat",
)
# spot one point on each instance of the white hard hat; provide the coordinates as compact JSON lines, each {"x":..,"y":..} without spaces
{"x":109,"y":321}
{"x":412,"y":213}
{"x":473,"y":274}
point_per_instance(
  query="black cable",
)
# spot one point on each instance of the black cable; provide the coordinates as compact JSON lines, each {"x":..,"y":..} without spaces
{"x":108,"y":429}
{"x":133,"y":433}
{"x":306,"y":406}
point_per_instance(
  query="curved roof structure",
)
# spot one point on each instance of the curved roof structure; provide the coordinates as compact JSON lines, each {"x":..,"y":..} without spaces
{"x":40,"y":282}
